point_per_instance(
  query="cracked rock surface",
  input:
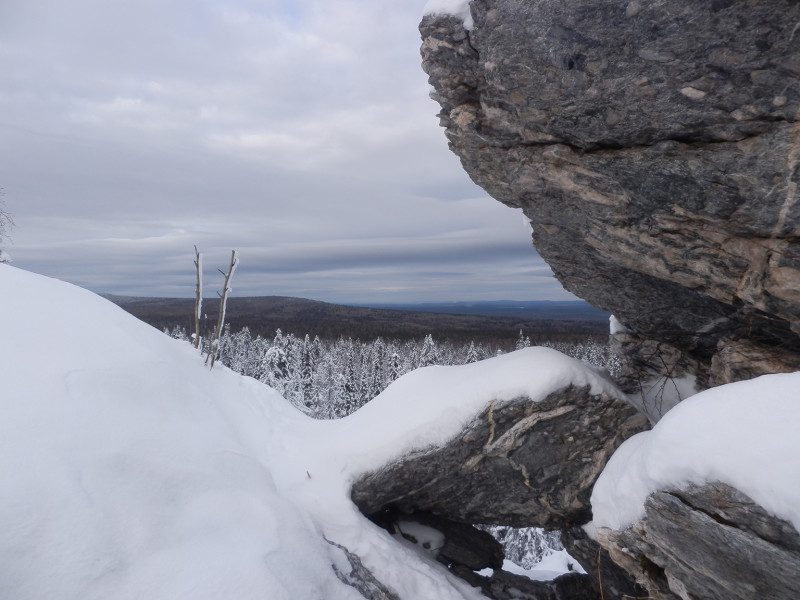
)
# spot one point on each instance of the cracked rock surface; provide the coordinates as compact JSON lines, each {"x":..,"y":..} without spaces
{"x":710,"y":542}
{"x":654,"y":146}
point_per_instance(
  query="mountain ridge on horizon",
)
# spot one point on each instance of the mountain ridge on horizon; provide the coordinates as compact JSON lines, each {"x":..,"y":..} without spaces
{"x":554,"y":309}
{"x":478,"y":320}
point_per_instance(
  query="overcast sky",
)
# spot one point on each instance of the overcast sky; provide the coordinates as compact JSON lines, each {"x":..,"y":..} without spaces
{"x":298,"y":132}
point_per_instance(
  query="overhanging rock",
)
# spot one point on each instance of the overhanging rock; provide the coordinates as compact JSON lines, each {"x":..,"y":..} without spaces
{"x":654,"y":147}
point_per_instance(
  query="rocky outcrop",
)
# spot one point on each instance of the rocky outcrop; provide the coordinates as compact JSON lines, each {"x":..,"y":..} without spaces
{"x":519,"y":463}
{"x":710,"y":542}
{"x":654,"y":146}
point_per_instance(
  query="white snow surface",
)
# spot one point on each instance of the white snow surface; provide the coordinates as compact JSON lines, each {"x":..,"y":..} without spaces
{"x":130,"y":470}
{"x":456,"y":8}
{"x":614,"y":326}
{"x":744,"y":434}
{"x":551,"y":566}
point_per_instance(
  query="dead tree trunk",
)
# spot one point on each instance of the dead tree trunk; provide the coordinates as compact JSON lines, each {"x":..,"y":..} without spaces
{"x":223,"y":299}
{"x":198,"y":296}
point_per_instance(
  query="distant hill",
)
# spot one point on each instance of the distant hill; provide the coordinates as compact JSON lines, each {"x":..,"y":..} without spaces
{"x":496,"y":322}
{"x":537,"y":309}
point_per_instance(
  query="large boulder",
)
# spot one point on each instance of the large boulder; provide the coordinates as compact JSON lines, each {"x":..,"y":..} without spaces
{"x":654,"y":146}
{"x":518,"y":463}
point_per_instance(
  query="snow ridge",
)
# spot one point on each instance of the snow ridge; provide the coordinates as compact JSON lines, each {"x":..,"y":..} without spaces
{"x":456,"y":8}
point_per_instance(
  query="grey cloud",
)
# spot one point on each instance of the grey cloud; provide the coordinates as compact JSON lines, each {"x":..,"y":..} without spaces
{"x":299,"y":133}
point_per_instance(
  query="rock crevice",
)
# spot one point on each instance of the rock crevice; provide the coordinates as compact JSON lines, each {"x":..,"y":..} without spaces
{"x":521,"y":463}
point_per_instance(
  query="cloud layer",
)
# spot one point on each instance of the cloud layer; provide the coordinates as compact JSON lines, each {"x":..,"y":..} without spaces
{"x":299,"y":133}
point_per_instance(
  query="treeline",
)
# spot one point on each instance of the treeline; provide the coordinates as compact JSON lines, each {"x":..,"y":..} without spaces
{"x":331,"y":379}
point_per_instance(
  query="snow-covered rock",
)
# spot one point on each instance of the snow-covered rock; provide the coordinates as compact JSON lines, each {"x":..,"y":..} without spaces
{"x":524,"y":461}
{"x":708,"y":502}
{"x":131,"y":470}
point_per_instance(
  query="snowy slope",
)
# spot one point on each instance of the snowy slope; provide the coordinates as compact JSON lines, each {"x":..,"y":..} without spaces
{"x":130,"y":470}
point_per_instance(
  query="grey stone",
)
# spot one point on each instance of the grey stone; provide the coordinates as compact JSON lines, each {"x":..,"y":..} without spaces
{"x":710,"y":542}
{"x":605,"y":577}
{"x":464,"y":545}
{"x":518,"y":463}
{"x":654,"y":147}
{"x":502,"y":585}
{"x":737,"y":360}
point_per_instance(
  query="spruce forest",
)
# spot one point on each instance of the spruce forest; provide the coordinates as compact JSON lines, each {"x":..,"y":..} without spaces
{"x":331,"y":379}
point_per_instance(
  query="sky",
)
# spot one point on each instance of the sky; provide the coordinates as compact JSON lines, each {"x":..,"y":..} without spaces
{"x":299,"y":133}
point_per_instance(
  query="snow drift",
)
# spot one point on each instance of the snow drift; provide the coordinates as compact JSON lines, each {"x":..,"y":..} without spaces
{"x":131,"y":470}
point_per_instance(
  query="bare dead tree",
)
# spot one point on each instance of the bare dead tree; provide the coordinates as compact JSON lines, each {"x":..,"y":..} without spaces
{"x":198,"y":296}
{"x":6,"y":224}
{"x":223,"y":299}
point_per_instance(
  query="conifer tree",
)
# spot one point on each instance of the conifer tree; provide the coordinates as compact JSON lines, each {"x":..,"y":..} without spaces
{"x":395,"y":367}
{"x":428,"y":355}
{"x":472,"y":353}
{"x":522,"y":341}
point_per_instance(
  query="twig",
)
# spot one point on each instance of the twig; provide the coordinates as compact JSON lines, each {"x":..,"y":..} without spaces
{"x":599,"y":577}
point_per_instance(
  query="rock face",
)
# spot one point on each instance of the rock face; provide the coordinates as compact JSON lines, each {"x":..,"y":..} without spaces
{"x":710,"y":542}
{"x":654,"y":146}
{"x":518,"y":463}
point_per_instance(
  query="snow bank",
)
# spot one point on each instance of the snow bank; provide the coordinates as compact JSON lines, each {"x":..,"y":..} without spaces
{"x":131,"y":470}
{"x":744,"y":434}
{"x":456,"y":8}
